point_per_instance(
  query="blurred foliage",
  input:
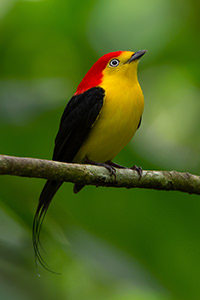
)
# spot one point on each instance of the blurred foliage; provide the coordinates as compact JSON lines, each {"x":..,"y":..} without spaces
{"x":107,"y":243}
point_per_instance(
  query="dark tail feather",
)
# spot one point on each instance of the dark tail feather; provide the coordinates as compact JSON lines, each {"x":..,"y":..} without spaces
{"x":46,"y":196}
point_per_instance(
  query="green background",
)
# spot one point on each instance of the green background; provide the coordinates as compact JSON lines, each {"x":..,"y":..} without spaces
{"x":107,"y":243}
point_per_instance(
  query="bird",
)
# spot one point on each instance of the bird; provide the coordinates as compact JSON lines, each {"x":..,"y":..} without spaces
{"x":98,"y":121}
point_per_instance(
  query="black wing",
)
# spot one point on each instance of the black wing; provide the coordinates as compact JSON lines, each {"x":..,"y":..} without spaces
{"x":77,"y":119}
{"x":139,"y":123}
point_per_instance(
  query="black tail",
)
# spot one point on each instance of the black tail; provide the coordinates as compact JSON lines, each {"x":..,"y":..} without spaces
{"x":46,"y":196}
{"x":77,"y":187}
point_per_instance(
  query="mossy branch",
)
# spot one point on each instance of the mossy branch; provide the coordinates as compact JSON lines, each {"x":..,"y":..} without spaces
{"x":99,"y":176}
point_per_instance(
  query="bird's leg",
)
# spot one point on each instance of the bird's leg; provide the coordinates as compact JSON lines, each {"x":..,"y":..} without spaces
{"x":110,"y":168}
{"x":137,"y":169}
{"x":112,"y":164}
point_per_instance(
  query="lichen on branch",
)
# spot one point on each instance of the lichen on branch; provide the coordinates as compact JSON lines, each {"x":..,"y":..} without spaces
{"x":99,"y":176}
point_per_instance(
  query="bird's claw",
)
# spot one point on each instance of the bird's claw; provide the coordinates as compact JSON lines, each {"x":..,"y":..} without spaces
{"x":138,"y":170}
{"x":111,"y":170}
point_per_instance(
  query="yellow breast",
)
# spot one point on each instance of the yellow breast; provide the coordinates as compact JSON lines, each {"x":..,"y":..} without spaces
{"x":117,"y":122}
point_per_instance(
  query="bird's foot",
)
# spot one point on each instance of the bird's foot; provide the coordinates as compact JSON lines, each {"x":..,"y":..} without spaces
{"x":137,"y":169}
{"x":109,"y":167}
{"x":114,"y":165}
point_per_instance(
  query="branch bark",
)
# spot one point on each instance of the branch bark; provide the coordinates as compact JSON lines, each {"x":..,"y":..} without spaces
{"x":99,"y":176}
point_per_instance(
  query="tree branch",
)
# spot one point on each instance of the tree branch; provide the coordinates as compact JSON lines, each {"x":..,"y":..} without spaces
{"x":99,"y":176}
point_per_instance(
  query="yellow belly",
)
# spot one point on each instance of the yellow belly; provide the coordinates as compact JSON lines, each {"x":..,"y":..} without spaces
{"x":116,"y":124}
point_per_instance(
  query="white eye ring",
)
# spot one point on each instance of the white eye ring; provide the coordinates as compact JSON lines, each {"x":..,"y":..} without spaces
{"x":114,"y":62}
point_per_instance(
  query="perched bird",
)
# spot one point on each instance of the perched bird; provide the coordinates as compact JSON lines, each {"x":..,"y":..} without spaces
{"x":97,"y":123}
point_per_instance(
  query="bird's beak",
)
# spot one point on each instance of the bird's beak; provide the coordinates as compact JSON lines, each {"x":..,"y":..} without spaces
{"x":136,"y":56}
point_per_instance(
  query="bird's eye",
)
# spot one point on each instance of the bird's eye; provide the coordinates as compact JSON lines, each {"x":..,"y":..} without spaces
{"x":114,"y":62}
